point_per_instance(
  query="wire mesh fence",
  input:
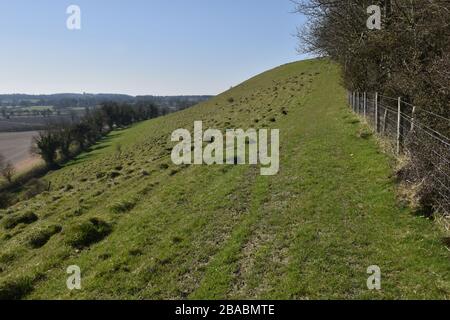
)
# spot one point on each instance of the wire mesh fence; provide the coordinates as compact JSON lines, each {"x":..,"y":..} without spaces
{"x":427,"y":148}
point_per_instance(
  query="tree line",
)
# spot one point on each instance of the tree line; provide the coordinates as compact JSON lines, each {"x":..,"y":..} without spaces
{"x":63,"y":141}
{"x":408,"y":57}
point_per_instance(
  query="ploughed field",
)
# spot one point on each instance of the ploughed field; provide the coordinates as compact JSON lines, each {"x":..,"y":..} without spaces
{"x":31,"y":123}
{"x":140,"y":227}
{"x":15,"y":147}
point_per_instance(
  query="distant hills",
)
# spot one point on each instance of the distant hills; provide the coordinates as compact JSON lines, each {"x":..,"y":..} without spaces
{"x":23,"y":112}
{"x":75,"y":100}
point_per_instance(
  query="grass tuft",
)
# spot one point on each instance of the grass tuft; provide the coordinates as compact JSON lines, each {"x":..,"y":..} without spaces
{"x":88,"y":232}
{"x":15,"y":289}
{"x":123,"y":206}
{"x":12,"y":221}
{"x":41,"y":237}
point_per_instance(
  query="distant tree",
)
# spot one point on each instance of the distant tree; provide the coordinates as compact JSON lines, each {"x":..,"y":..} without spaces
{"x":79,"y":134}
{"x":94,"y":123}
{"x":64,"y":135}
{"x":110,"y":111}
{"x":46,"y":144}
{"x":8,"y":171}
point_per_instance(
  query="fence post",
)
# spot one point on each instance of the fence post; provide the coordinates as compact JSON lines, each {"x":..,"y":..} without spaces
{"x":365,"y":104}
{"x":376,"y":111}
{"x":384,"y":121}
{"x":399,"y":120}
{"x":412,"y":118}
{"x":353,"y":101}
{"x":359,"y":102}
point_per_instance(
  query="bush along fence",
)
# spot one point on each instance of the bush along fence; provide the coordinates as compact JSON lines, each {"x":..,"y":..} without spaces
{"x":426,"y":148}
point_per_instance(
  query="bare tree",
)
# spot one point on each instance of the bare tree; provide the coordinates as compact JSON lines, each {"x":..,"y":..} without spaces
{"x":7,"y":170}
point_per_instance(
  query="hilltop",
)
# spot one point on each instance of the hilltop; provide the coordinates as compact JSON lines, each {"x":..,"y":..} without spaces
{"x":140,"y":227}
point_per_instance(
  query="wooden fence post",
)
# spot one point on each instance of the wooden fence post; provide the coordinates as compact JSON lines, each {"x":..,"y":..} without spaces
{"x":399,"y":122}
{"x":412,"y":118}
{"x":384,"y":121}
{"x":353,"y":101}
{"x":365,"y":104}
{"x":359,"y":103}
{"x":376,"y":111}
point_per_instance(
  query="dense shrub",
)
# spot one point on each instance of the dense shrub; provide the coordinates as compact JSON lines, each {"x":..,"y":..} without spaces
{"x":46,"y":144}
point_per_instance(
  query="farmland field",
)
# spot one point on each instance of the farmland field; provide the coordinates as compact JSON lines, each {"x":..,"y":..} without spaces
{"x":15,"y":147}
{"x":30,"y":123}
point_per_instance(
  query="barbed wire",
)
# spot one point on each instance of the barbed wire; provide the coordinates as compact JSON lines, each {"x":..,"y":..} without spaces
{"x":389,"y":98}
{"x":407,"y":117}
{"x":401,"y":124}
{"x":427,"y":111}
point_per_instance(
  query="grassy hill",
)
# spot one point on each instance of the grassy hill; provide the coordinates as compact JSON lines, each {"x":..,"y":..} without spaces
{"x":140,"y":227}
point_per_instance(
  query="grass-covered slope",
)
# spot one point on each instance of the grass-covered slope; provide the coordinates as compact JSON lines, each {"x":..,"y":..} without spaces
{"x":140,"y":227}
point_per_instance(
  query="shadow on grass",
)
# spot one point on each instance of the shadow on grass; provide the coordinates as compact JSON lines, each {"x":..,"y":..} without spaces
{"x":426,"y":212}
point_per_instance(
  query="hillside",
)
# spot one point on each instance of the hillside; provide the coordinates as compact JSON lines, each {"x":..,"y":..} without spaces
{"x":140,"y":227}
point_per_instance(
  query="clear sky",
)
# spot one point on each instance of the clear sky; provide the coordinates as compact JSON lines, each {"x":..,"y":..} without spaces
{"x":138,"y":47}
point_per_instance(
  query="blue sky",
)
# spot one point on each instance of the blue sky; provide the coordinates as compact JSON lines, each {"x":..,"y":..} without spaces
{"x":142,"y":46}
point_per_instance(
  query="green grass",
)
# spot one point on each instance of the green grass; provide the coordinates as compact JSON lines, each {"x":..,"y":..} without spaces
{"x":35,"y":108}
{"x":210,"y":232}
